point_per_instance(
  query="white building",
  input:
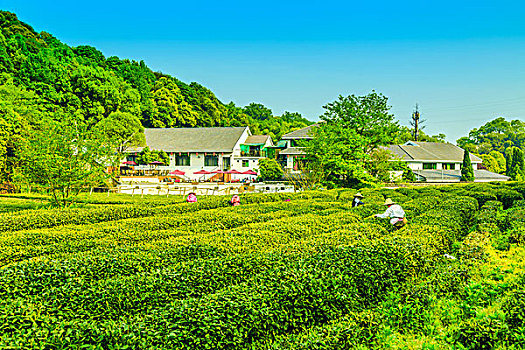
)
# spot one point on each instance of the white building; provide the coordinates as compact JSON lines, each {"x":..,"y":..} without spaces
{"x":293,"y":150}
{"x":194,"y":149}
{"x":440,"y":162}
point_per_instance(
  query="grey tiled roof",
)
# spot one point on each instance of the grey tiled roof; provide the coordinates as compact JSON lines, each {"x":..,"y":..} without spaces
{"x":193,"y":139}
{"x":455,"y":175}
{"x":303,"y":133}
{"x":430,"y":151}
{"x":292,"y":151}
{"x":256,"y":139}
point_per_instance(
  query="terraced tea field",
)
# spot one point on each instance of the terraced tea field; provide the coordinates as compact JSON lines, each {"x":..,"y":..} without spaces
{"x":123,"y":272}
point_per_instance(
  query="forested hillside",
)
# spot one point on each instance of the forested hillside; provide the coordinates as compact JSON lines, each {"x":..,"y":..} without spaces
{"x":42,"y":78}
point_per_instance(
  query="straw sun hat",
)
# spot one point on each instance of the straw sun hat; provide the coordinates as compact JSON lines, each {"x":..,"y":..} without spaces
{"x":388,"y":201}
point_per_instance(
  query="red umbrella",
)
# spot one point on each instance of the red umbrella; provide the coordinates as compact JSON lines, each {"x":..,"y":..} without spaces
{"x":233,"y":171}
{"x":249,"y":172}
{"x":156,"y":162}
{"x":130,"y":162}
{"x":177,"y":172}
{"x":201,"y":172}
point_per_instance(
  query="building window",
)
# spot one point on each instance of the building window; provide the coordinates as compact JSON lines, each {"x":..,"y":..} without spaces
{"x":245,"y":163}
{"x":182,"y":160}
{"x":211,"y":161}
{"x":449,"y":166}
{"x":429,"y":166}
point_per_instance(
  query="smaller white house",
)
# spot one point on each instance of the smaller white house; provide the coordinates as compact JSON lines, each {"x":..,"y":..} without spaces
{"x":432,"y":155}
{"x":440,"y":162}
{"x":293,"y":151}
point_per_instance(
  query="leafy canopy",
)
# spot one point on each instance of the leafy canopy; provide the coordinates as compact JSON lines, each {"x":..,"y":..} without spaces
{"x":467,"y":172}
{"x":496,"y":135}
{"x":270,"y":169}
{"x":65,"y":158}
{"x":353,"y":127}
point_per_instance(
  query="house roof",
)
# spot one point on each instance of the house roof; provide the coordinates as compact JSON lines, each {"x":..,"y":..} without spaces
{"x":257,"y":140}
{"x":430,"y":152}
{"x":292,"y":151}
{"x":455,"y":175}
{"x":303,"y":133}
{"x":280,"y":144}
{"x":193,"y":139}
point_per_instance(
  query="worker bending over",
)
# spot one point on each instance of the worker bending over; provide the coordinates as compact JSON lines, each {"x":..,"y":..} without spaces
{"x":357,"y":200}
{"x":395,"y":212}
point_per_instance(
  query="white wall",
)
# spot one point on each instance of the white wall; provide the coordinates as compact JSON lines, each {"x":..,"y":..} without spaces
{"x":242,"y":139}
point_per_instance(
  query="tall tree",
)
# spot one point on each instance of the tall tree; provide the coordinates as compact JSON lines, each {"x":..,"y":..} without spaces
{"x":123,"y":129}
{"x":64,"y":158}
{"x":467,"y":172}
{"x":515,"y":163}
{"x":258,"y":111}
{"x":353,"y":127}
{"x":269,"y":169}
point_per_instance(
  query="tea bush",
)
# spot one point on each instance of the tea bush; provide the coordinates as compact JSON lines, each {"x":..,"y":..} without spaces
{"x":308,"y":273}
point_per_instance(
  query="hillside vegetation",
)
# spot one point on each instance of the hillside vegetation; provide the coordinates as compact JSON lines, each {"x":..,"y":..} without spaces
{"x":43,"y":79}
{"x":309,"y":273}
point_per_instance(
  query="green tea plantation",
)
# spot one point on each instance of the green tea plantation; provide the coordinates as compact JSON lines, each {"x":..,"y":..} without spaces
{"x":280,"y":271}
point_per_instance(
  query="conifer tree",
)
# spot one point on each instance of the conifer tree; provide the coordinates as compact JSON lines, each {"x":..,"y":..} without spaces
{"x":515,"y":163}
{"x":467,"y":172}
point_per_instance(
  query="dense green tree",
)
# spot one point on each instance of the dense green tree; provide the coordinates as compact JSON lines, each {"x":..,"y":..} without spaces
{"x":269,"y":169}
{"x":122,"y":128}
{"x":353,"y":127}
{"x":515,"y":167}
{"x":497,"y":135}
{"x":146,"y":156}
{"x":494,"y":161}
{"x":500,"y":160}
{"x":467,"y":172}
{"x":258,"y":111}
{"x":490,"y":163}
{"x":170,"y":108}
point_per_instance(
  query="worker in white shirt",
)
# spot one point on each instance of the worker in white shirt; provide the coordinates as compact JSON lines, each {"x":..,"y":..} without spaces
{"x":395,"y":212}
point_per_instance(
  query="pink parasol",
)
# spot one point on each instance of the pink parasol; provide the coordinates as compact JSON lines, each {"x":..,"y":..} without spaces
{"x":233,"y":171}
{"x":201,"y":172}
{"x":130,"y":162}
{"x":177,"y":172}
{"x":156,"y":163}
{"x":249,"y":172}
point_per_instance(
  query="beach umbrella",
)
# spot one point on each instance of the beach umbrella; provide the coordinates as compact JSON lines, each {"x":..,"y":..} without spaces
{"x":201,"y":172}
{"x":233,"y":171}
{"x":249,"y":172}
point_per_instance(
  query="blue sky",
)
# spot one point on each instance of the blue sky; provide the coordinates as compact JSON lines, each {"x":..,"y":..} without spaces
{"x":463,"y":62}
